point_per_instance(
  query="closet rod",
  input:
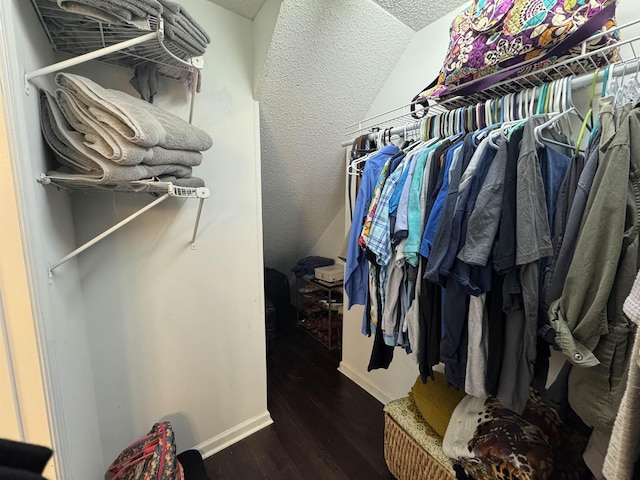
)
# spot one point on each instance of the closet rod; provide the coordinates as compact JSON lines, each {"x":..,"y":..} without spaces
{"x":106,"y":233}
{"x":578,"y":82}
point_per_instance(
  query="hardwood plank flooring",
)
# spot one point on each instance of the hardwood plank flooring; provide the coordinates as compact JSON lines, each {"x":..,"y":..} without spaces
{"x":325,"y":426}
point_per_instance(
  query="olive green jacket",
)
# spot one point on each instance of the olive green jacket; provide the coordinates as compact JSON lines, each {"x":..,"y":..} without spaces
{"x":592,"y":330}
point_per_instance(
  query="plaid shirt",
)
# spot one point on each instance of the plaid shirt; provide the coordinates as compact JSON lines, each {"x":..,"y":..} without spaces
{"x":380,"y":232}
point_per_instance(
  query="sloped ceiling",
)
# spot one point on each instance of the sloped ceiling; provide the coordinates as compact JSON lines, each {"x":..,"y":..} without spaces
{"x":326,"y":62}
{"x":417,"y":14}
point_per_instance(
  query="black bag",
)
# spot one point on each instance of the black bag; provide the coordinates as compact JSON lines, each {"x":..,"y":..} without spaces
{"x":276,"y":291}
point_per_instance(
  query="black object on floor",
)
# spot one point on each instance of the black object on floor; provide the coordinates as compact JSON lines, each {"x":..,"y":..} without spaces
{"x":193,"y":465}
{"x":22,"y":460}
{"x":325,"y":426}
{"x":276,"y":291}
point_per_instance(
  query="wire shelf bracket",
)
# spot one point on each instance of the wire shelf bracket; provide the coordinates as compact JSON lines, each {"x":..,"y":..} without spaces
{"x":169,"y":189}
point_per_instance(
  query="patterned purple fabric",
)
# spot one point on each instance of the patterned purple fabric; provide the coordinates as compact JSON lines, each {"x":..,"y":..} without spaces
{"x":493,"y":35}
{"x":153,"y":457}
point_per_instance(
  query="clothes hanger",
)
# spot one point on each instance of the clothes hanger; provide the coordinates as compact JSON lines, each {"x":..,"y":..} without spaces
{"x":620,"y":93}
{"x":538,"y":131}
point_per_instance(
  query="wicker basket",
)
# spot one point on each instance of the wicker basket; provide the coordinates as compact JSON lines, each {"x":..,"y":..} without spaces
{"x":406,"y":459}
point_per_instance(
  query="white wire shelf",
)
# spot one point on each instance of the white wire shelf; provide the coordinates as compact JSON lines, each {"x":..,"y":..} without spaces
{"x":71,"y":183}
{"x":582,"y":65}
{"x":163,"y":189}
{"x":75,"y":35}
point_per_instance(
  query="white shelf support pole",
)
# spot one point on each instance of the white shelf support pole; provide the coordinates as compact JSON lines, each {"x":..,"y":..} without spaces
{"x":88,"y":56}
{"x":195,"y":227}
{"x":106,"y":233}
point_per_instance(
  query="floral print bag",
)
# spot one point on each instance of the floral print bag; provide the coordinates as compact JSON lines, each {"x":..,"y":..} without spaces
{"x":153,"y":457}
{"x":493,"y":40}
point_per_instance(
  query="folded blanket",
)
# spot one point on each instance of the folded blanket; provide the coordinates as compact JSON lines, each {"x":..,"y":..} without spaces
{"x":136,"y":120}
{"x":70,"y":150}
{"x":111,"y":145}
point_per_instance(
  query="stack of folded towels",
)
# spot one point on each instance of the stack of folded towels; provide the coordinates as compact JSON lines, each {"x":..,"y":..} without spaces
{"x":179,"y":26}
{"x":105,"y":136}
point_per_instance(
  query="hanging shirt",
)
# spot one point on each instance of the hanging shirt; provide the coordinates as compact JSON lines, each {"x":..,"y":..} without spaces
{"x":397,"y":192}
{"x":554,"y":166}
{"x":401,"y":229}
{"x":485,"y":217}
{"x":373,"y":205}
{"x":505,"y":252}
{"x":357,"y":270}
{"x":443,"y":233}
{"x":451,"y":158}
{"x":414,"y":217}
{"x":565,"y":245}
{"x":473,"y":175}
{"x":380,"y":235}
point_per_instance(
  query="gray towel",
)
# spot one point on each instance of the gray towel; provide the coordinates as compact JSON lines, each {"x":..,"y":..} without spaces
{"x":104,"y":140}
{"x":135,"y":119}
{"x":111,"y":145}
{"x":192,"y":182}
{"x":182,"y":39}
{"x":69,"y":148}
{"x":126,"y":9}
{"x":170,"y":7}
{"x":118,"y":12}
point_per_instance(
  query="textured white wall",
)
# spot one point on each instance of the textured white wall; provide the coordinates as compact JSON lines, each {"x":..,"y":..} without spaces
{"x":325,"y":65}
{"x":264,"y":25}
{"x":176,"y":333}
{"x":330,"y":242}
{"x":47,"y":226}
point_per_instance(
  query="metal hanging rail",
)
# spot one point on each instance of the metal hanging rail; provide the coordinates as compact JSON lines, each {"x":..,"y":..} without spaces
{"x":578,"y":82}
{"x":401,"y":119}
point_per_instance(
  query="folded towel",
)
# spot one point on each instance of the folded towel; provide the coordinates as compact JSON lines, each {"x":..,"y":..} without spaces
{"x":135,"y":119}
{"x":111,"y":145}
{"x":191,"y":182}
{"x":104,"y":140}
{"x":177,"y":9}
{"x":126,"y":9}
{"x":184,"y":41}
{"x":119,"y":12}
{"x":71,"y":151}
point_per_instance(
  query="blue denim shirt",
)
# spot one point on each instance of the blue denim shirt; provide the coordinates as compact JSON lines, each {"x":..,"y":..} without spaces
{"x":357,"y":269}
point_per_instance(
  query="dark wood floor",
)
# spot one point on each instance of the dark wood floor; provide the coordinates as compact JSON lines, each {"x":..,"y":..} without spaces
{"x":325,"y":426}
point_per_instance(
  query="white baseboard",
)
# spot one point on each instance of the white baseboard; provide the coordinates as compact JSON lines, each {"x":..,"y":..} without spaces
{"x":353,"y":375}
{"x":233,"y":435}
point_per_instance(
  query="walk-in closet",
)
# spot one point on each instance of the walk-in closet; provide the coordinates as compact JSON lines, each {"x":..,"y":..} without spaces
{"x":353,"y":239}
